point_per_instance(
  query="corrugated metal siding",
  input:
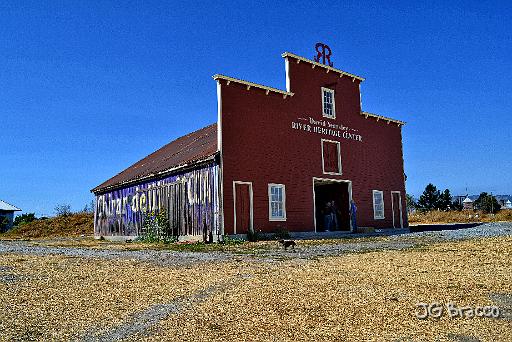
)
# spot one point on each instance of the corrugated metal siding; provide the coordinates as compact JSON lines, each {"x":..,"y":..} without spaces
{"x":191,"y":200}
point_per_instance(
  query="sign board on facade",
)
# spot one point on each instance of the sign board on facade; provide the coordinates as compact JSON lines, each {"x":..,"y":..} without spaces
{"x":325,"y":127}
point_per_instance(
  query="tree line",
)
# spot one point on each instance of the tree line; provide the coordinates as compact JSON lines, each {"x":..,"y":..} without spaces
{"x":434,"y":199}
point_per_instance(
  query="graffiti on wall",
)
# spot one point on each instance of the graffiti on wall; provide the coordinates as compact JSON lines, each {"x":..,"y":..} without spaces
{"x":191,"y":201}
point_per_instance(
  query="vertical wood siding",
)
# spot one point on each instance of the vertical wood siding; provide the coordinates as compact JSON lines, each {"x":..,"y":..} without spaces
{"x":262,"y":143}
{"x":191,"y":201}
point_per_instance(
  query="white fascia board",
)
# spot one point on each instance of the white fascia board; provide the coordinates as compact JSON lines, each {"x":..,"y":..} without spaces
{"x":330,"y":68}
{"x":251,"y":84}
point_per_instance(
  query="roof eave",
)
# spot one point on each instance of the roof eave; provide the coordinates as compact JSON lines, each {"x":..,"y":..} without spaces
{"x":329,"y":68}
{"x":9,"y":207}
{"x":229,"y":79}
{"x":383,"y":118}
{"x":98,"y":190}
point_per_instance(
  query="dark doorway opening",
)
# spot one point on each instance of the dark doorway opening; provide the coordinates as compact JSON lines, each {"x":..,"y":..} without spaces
{"x":332,"y":206}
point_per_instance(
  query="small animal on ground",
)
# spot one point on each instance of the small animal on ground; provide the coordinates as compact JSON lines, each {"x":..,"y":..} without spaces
{"x":288,"y":243}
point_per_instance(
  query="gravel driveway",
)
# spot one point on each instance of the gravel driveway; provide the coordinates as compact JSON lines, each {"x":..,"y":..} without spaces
{"x":329,"y":248}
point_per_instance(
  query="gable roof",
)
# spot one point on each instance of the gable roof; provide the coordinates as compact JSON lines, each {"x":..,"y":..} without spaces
{"x":8,"y":207}
{"x":187,"y":150}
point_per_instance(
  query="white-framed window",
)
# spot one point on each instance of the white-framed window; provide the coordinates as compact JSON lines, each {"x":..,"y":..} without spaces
{"x":328,"y":105}
{"x":331,"y":157}
{"x":378,"y":205}
{"x":276,"y":202}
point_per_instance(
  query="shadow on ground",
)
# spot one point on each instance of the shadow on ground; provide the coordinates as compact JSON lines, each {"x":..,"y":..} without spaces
{"x":439,"y":227}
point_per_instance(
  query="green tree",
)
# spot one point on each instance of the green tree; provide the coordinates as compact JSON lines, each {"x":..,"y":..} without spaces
{"x":456,"y":205}
{"x":4,"y":223}
{"x":429,"y":200}
{"x":487,"y":203}
{"x":25,"y":218}
{"x":445,"y":201}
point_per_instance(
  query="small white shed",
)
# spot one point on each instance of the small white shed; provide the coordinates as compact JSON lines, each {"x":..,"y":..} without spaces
{"x":7,"y":211}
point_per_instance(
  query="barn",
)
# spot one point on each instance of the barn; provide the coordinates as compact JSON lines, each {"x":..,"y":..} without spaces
{"x":303,"y":159}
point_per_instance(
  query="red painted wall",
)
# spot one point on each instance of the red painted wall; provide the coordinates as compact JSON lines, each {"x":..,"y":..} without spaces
{"x":260,"y":146}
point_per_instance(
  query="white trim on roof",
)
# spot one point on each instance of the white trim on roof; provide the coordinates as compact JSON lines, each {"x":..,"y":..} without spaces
{"x":251,"y":84}
{"x":329,"y":68}
{"x":383,"y":118}
{"x":8,"y":207}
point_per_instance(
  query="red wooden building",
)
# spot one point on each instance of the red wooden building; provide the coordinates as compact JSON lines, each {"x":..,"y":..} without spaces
{"x":276,"y":159}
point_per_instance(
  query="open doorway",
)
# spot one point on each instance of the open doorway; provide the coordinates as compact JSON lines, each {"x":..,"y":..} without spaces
{"x":332,"y":205}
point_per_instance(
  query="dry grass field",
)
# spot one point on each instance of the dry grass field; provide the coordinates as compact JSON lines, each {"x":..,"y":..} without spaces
{"x":73,"y":225}
{"x":459,"y":216}
{"x":351,"y":297}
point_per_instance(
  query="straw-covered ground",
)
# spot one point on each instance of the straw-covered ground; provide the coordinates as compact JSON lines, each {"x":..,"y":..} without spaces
{"x":354,"y":295}
{"x":428,"y":217}
{"x":69,"y":225}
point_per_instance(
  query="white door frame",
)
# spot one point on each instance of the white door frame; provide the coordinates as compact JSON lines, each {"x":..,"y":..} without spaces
{"x":399,"y":207}
{"x":331,"y":180}
{"x":250,"y":204}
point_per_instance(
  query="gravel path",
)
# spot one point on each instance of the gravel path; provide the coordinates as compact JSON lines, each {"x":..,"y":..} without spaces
{"x":483,"y":230}
{"x":174,"y":258}
{"x":165,"y":258}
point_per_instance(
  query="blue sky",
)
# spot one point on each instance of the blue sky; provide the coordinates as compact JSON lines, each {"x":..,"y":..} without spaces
{"x":88,"y":88}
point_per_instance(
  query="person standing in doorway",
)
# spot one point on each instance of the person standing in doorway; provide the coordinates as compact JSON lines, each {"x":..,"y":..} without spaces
{"x":334,"y":215}
{"x":353,"y":212}
{"x":327,"y":216}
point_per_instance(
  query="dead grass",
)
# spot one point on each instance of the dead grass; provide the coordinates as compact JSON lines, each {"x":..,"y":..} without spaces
{"x":73,"y":225}
{"x":370,"y":297}
{"x":458,"y":217}
{"x":353,"y":297}
{"x":58,"y":298}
